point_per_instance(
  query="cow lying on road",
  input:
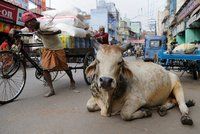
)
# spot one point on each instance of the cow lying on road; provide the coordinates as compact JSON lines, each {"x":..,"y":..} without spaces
{"x":130,"y":87}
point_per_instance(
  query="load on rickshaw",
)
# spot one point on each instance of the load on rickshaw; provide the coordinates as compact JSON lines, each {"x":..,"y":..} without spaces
{"x":78,"y":50}
{"x":183,"y":57}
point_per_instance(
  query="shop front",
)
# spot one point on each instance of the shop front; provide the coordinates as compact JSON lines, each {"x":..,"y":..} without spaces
{"x":180,"y":37}
{"x":187,"y":32}
{"x":10,"y":17}
{"x":193,"y":27}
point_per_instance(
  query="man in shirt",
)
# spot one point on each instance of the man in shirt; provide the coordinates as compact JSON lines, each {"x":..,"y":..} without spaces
{"x":53,"y":54}
{"x":102,"y":37}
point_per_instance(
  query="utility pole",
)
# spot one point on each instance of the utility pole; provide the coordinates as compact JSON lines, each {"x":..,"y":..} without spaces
{"x":155,"y":28}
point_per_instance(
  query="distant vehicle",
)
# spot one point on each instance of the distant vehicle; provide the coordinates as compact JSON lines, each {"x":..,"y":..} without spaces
{"x":153,"y":45}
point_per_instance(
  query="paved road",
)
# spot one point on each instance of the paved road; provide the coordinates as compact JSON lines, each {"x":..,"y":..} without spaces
{"x":65,"y":113}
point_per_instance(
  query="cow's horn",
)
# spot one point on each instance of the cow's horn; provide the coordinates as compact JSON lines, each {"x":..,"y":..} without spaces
{"x":126,"y":46}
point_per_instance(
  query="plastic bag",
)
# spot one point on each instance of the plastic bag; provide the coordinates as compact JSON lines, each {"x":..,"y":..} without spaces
{"x":68,"y":11}
{"x":72,"y":31}
{"x":69,"y":20}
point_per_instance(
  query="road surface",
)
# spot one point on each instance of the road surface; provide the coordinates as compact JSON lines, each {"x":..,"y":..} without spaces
{"x":66,"y":113}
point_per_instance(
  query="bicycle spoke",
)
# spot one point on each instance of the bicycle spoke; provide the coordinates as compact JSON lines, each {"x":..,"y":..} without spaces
{"x":3,"y":92}
{"x":14,"y":91}
{"x":17,"y":84}
{"x":11,"y":91}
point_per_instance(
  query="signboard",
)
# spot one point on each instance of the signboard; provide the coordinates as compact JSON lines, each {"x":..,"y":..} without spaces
{"x":36,"y":2}
{"x":8,"y":12}
{"x":19,"y":17}
{"x":187,"y":10}
{"x":20,"y":3}
{"x":41,"y":5}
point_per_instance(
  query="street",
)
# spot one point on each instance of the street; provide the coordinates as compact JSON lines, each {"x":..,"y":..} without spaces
{"x":164,"y":31}
{"x":66,"y":113}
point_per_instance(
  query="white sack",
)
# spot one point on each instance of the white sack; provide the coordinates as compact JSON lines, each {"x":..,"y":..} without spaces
{"x":68,"y":11}
{"x":184,"y":49}
{"x":72,"y":31}
{"x":69,"y":20}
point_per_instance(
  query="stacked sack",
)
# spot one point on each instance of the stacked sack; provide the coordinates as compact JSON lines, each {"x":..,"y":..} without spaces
{"x":185,"y":49}
{"x":70,"y":22}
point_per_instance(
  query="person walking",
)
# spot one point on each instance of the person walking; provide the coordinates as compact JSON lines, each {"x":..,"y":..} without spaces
{"x":53,"y":54}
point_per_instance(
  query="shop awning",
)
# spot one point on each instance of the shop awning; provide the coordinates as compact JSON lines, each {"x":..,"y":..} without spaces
{"x":136,"y":41}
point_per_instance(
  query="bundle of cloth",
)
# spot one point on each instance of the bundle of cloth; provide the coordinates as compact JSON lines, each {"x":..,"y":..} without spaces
{"x":185,"y":49}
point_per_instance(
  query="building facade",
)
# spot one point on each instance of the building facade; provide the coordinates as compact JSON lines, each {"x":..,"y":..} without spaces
{"x":107,"y":15}
{"x":136,"y":27}
{"x":10,"y":15}
{"x":183,"y":20}
{"x":124,"y":31}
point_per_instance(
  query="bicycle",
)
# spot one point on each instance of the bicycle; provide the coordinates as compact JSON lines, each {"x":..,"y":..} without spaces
{"x":13,"y":70}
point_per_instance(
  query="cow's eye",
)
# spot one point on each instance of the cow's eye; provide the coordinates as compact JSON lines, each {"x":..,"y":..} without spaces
{"x":98,"y":61}
{"x":120,"y":63}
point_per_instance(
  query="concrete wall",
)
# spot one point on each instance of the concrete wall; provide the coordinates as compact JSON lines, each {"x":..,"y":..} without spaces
{"x":192,"y":35}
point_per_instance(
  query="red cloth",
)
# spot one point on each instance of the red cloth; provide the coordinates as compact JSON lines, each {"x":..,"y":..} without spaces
{"x":102,"y":38}
{"x":4,"y":45}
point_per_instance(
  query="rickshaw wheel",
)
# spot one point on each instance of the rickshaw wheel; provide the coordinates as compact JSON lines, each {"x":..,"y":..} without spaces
{"x":12,"y":76}
{"x":89,"y":57}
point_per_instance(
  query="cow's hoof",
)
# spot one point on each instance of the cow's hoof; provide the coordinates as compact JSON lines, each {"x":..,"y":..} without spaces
{"x":162,"y":111}
{"x":106,"y":114}
{"x":190,"y":103}
{"x":147,"y":112}
{"x":91,"y":109}
{"x":186,"y":120}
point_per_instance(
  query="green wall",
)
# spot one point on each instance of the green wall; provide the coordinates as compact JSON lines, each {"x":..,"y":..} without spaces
{"x":192,"y":35}
{"x":180,"y":39}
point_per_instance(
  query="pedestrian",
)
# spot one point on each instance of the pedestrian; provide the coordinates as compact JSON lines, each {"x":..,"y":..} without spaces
{"x":102,"y":36}
{"x":53,"y":54}
{"x":137,"y":50}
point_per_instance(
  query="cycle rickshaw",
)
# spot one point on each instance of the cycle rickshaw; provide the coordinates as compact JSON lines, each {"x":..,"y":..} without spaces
{"x":13,"y":68}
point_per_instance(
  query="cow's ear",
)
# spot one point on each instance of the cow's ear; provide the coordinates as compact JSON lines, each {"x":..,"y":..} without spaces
{"x":90,"y":70}
{"x":126,"y":72}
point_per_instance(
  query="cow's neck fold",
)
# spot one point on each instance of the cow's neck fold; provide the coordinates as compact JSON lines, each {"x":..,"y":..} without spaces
{"x":121,"y":88}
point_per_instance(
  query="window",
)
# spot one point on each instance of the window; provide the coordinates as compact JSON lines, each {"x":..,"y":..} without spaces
{"x":155,"y":43}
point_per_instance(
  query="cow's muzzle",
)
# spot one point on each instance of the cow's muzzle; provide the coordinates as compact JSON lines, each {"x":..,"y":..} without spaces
{"x":106,"y":82}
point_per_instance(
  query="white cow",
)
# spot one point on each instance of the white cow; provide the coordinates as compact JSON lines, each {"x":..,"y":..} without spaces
{"x":130,"y":87}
